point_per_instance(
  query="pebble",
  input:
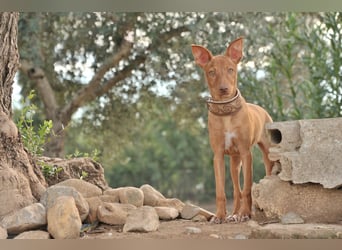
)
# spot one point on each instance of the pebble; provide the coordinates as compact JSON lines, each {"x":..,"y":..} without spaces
{"x":193,"y":230}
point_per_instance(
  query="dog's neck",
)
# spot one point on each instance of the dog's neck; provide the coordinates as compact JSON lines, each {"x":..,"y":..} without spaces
{"x":227,"y":107}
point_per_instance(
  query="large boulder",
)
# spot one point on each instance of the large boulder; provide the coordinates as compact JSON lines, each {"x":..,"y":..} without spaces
{"x":86,"y":189}
{"x":75,"y":168}
{"x":51,"y":194}
{"x":15,"y":191}
{"x":27,"y":218}
{"x":275,"y":198}
{"x":125,"y":195}
{"x":114,"y":213}
{"x":63,"y":219}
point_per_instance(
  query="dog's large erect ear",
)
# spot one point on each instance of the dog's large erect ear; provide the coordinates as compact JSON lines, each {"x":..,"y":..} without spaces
{"x":234,"y":50}
{"x":202,"y":55}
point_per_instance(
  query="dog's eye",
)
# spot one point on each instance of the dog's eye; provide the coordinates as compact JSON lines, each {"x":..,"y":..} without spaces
{"x":212,"y":73}
{"x":230,"y":71}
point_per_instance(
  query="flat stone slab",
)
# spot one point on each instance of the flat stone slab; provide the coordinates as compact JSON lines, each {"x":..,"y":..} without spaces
{"x":295,"y":231}
{"x":308,"y":150}
{"x":274,"y":198}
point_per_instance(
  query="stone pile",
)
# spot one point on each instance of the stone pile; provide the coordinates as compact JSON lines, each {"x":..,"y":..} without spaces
{"x":66,"y":206}
{"x":309,"y":179}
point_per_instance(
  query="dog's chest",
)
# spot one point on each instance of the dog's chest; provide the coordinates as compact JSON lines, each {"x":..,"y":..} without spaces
{"x":229,"y":144}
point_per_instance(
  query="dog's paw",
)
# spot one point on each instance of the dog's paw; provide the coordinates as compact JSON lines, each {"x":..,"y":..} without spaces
{"x":235,"y":218}
{"x":216,"y":220}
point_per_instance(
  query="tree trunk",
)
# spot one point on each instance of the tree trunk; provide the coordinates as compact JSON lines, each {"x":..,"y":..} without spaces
{"x":21,"y":180}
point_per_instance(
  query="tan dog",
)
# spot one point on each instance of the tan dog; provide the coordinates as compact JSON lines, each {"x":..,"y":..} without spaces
{"x":234,"y":127}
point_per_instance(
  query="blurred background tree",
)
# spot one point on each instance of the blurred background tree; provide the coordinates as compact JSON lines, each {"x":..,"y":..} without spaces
{"x":126,"y":85}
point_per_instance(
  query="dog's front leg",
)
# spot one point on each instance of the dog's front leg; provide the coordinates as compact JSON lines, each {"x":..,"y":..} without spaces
{"x":247,"y":168}
{"x":220,"y":172}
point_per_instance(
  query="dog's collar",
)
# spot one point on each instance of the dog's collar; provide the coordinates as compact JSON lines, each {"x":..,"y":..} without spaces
{"x":227,"y":107}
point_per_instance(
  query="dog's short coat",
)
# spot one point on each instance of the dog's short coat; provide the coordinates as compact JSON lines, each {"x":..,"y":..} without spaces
{"x":234,"y":127}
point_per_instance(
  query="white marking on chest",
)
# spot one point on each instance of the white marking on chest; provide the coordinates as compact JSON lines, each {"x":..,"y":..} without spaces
{"x":229,"y":139}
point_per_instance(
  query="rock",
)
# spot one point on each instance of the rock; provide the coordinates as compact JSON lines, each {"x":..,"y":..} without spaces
{"x":215,"y":236}
{"x":295,"y":231}
{"x":125,"y":195}
{"x":142,"y":219}
{"x":49,"y":197}
{"x":85,"y":188}
{"x":240,"y":237}
{"x":27,"y":218}
{"x":189,"y":211}
{"x":94,"y":203}
{"x":305,"y":153}
{"x":291,"y":218}
{"x":33,"y":235}
{"x":114,"y":213}
{"x":313,"y":203}
{"x":131,"y":195}
{"x":110,"y":198}
{"x":172,"y":202}
{"x":193,"y":230}
{"x":73,"y":169}
{"x":166,"y":213}
{"x":151,"y":196}
{"x":64,"y":221}
{"x":3,"y":233}
{"x":13,"y":184}
{"x":199,"y":218}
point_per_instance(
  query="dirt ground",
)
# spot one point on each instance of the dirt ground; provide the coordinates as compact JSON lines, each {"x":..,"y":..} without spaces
{"x":177,"y":229}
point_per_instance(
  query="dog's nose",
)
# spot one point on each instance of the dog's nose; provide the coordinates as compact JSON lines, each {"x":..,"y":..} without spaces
{"x":223,"y":90}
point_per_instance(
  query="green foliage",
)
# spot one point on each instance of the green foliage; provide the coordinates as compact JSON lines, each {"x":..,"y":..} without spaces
{"x":49,"y":170}
{"x":94,"y":155}
{"x":33,"y":139}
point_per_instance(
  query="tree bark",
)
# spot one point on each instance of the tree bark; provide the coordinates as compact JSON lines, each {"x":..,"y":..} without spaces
{"x":21,"y":181}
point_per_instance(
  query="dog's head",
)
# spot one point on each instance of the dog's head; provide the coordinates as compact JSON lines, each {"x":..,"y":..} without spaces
{"x":221,"y":70}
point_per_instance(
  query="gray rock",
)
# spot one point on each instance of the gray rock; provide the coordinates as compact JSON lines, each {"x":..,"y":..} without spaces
{"x":142,"y":219}
{"x":51,"y":194}
{"x":274,"y":198}
{"x":63,"y":218}
{"x":291,"y":218}
{"x":27,"y":218}
{"x":152,"y":197}
{"x":309,"y":151}
{"x":33,"y":235}
{"x":190,"y":211}
{"x":114,"y":213}
{"x":193,"y":230}
{"x":167,"y":213}
{"x":241,"y":237}
{"x":85,"y":188}
{"x":3,"y":233}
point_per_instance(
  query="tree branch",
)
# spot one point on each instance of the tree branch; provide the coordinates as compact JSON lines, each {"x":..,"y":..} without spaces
{"x":88,"y":92}
{"x":37,"y":75}
{"x":95,"y":88}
